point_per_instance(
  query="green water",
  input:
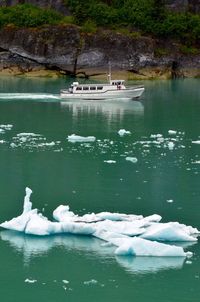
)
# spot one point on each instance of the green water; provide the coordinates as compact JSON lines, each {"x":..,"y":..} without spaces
{"x":60,"y":172}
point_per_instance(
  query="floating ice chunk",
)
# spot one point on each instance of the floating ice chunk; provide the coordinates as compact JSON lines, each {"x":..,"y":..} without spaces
{"x":132,"y":159}
{"x":110,"y":161}
{"x":116,"y":229}
{"x":13,"y":145}
{"x":51,"y":144}
{"x":170,"y":200}
{"x":171,"y":145}
{"x":65,"y":281}
{"x":2,"y":141}
{"x":196,"y":142}
{"x":76,"y":138}
{"x":167,"y":232}
{"x":93,"y":281}
{"x":142,"y":247}
{"x":27,"y":134}
{"x":172,"y":132}
{"x":6,"y":127}
{"x":156,"y":135}
{"x":30,"y":280}
{"x":122,"y":132}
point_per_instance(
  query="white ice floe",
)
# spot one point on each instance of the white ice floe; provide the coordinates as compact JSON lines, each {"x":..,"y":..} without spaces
{"x":170,"y":200}
{"x":123,"y":132}
{"x":110,"y":161}
{"x":132,"y":159}
{"x":196,"y":142}
{"x":172,"y":132}
{"x":171,"y":145}
{"x":27,"y":280}
{"x":6,"y":127}
{"x":81,"y":139}
{"x":130,"y":234}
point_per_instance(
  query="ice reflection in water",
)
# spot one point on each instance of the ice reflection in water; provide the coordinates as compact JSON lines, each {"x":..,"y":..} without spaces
{"x":31,"y":246}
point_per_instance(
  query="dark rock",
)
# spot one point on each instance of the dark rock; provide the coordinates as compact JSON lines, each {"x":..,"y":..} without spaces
{"x":66,"y":49}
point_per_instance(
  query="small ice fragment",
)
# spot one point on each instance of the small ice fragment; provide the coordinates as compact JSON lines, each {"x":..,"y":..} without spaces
{"x":110,"y":161}
{"x":93,"y":281}
{"x":13,"y":145}
{"x":65,"y":281}
{"x":170,"y":200}
{"x":122,"y":132}
{"x":81,"y":139}
{"x":188,"y":262}
{"x":132,"y":159}
{"x":156,"y":135}
{"x":171,"y":145}
{"x":30,"y":280}
{"x":172,"y":132}
{"x":196,"y":142}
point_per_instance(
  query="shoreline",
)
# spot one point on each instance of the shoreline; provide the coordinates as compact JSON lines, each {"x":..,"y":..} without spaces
{"x":101,"y":74}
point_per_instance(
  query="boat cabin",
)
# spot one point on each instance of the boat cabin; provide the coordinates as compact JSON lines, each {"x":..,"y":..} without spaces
{"x":95,"y":88}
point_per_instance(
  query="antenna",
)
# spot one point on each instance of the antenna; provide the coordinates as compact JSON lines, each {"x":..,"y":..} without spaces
{"x":109,"y":73}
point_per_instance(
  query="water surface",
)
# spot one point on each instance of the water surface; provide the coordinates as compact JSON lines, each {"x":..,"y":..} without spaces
{"x":35,"y":152}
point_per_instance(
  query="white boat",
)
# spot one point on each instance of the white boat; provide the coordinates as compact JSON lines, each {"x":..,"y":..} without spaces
{"x":111,"y":90}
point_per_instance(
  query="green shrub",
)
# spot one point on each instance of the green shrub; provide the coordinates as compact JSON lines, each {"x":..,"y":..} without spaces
{"x":189,"y":50}
{"x":26,"y":15}
{"x":89,"y":27}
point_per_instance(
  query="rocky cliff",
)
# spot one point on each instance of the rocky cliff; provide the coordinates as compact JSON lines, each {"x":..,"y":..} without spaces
{"x":65,"y":49}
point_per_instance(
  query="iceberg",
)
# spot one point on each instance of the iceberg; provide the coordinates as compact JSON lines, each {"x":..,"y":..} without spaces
{"x":129,"y":234}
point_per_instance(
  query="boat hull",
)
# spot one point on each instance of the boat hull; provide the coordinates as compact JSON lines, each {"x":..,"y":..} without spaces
{"x":110,"y":94}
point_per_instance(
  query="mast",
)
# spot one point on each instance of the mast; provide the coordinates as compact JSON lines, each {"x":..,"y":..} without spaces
{"x":109,"y":73}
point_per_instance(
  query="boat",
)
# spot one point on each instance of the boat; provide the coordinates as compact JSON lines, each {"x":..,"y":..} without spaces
{"x":114,"y":89}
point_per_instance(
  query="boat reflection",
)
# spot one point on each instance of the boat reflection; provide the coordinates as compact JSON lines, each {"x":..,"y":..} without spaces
{"x":31,"y":246}
{"x":109,"y":108}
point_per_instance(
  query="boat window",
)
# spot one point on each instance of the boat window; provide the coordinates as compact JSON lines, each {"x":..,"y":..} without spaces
{"x":100,"y":88}
{"x":78,"y":88}
{"x":85,"y":88}
{"x":92,"y":88}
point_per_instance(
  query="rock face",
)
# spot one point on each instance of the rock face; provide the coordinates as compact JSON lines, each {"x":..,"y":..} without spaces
{"x":66,"y":49}
{"x":184,"y":5}
{"x":60,"y":6}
